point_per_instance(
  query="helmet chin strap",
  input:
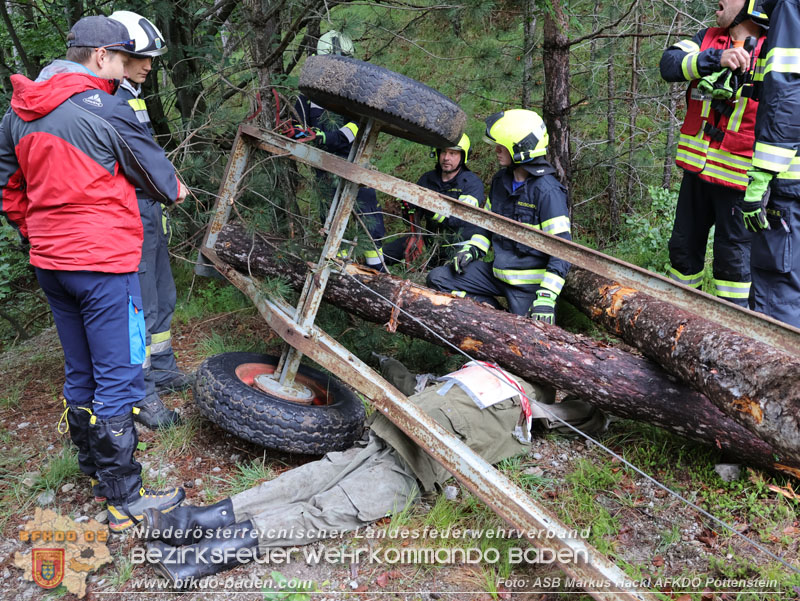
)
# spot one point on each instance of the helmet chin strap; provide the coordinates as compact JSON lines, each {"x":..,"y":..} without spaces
{"x":742,"y":16}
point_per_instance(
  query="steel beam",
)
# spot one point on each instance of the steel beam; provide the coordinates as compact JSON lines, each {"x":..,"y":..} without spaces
{"x":747,"y":323}
{"x":544,"y":530}
{"x":317,"y":278}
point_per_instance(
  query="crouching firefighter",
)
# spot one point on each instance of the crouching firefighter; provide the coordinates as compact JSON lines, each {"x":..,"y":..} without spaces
{"x":715,"y":148}
{"x":524,"y":190}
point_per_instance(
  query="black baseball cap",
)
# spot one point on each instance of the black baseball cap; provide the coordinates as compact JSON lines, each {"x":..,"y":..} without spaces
{"x":100,"y":32}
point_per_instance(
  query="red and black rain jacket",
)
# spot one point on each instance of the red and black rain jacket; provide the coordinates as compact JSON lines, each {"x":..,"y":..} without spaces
{"x":70,"y":156}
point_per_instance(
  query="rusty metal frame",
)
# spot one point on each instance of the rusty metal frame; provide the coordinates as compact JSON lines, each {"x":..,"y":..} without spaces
{"x":543,"y":529}
{"x":295,"y":327}
{"x":742,"y":321}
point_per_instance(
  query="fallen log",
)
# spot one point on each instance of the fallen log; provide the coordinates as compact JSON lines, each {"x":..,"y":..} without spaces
{"x":751,"y":382}
{"x":619,"y":382}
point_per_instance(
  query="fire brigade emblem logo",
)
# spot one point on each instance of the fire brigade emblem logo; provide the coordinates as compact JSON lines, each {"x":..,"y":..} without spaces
{"x":48,"y":567}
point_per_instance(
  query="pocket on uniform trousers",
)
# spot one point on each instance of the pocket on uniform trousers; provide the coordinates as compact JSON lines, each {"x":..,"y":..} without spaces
{"x":136,"y":330}
{"x":772,"y":249}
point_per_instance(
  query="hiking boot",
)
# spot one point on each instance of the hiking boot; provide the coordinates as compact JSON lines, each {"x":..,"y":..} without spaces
{"x":122,"y":516}
{"x":114,"y":442}
{"x":175,"y":383}
{"x":186,"y":525}
{"x":152,"y":413}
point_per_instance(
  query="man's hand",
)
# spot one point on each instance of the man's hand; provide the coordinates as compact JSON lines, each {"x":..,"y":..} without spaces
{"x":544,"y":307}
{"x":320,"y":135}
{"x":183,"y":190}
{"x":754,"y":204}
{"x":735,"y":59}
{"x":464,"y":257}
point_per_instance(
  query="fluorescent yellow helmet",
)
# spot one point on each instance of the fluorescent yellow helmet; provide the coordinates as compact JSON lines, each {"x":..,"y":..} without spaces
{"x":521,"y":132}
{"x":335,"y":42}
{"x":463,"y":146}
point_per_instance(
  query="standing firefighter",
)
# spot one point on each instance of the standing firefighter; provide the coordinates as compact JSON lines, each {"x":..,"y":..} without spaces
{"x":452,"y":178}
{"x":335,"y":136}
{"x":161,"y":372}
{"x":85,"y":235}
{"x":715,"y":148}
{"x":524,"y":190}
{"x":771,"y":205}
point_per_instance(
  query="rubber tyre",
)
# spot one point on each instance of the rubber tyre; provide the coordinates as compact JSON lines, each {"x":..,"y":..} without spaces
{"x":273,"y":422}
{"x":405,"y":107}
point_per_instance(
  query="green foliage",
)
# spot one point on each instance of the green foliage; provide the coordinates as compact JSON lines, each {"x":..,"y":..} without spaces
{"x":247,"y":475}
{"x":644,"y":236}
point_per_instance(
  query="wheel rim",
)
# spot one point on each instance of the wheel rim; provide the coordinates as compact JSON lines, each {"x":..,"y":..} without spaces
{"x":306,"y":392}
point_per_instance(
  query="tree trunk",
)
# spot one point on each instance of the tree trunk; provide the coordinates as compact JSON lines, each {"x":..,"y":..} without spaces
{"x":614,"y":380}
{"x":633,"y":104}
{"x":613,"y":198}
{"x":529,"y":29}
{"x":749,"y":381}
{"x":555,"y":104}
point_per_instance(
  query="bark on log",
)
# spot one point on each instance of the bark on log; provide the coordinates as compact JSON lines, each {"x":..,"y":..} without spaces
{"x":616,"y":381}
{"x":749,"y":381}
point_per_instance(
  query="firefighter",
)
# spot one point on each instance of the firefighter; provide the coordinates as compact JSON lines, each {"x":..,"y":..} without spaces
{"x":771,"y":205}
{"x":450,"y":177}
{"x":161,"y":372}
{"x":525,"y":190}
{"x":335,"y":136}
{"x":715,"y":148}
{"x":85,"y":235}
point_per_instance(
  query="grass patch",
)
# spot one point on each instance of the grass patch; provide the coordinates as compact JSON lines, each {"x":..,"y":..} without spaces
{"x":177,"y":440}
{"x":12,"y":393}
{"x":247,"y":476}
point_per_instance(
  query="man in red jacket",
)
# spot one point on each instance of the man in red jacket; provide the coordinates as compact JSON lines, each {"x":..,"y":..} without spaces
{"x":70,"y":156}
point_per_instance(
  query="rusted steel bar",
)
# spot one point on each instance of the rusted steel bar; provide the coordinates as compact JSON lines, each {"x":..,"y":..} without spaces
{"x":317,"y":278}
{"x":234,"y":172}
{"x":608,"y":582}
{"x":742,"y":321}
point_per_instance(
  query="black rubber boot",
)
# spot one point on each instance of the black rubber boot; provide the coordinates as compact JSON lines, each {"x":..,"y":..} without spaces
{"x":78,"y":418}
{"x":114,"y":442}
{"x":183,"y":567}
{"x":186,"y":525}
{"x":152,"y":413}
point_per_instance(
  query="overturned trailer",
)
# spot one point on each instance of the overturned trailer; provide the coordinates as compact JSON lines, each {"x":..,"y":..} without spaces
{"x":384,"y":101}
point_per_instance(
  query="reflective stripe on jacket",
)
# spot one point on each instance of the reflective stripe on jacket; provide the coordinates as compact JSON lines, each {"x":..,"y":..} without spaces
{"x":720,"y":161}
{"x":777,"y":131}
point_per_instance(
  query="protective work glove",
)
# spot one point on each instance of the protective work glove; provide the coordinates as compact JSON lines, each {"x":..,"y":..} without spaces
{"x":464,"y":257}
{"x":721,"y":85}
{"x":544,"y":307}
{"x":754,"y":204}
{"x":319,"y":135}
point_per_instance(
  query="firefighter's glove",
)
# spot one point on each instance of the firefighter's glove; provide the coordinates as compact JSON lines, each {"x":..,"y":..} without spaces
{"x":464,"y":257}
{"x":754,"y":204}
{"x":544,"y":307}
{"x":721,"y":85}
{"x":319,"y":135}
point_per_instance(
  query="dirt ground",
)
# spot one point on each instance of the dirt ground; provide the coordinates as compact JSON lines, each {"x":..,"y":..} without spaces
{"x":644,"y":511}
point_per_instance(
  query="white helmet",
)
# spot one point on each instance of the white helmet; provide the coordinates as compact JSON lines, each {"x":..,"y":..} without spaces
{"x":148,"y":41}
{"x":335,"y":42}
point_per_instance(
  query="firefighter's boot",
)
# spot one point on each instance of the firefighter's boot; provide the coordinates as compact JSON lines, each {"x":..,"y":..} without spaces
{"x":233,"y":546}
{"x":187,"y":525}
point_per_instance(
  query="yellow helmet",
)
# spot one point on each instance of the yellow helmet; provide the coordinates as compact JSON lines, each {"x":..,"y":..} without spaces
{"x":463,"y":146}
{"x":521,"y":132}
